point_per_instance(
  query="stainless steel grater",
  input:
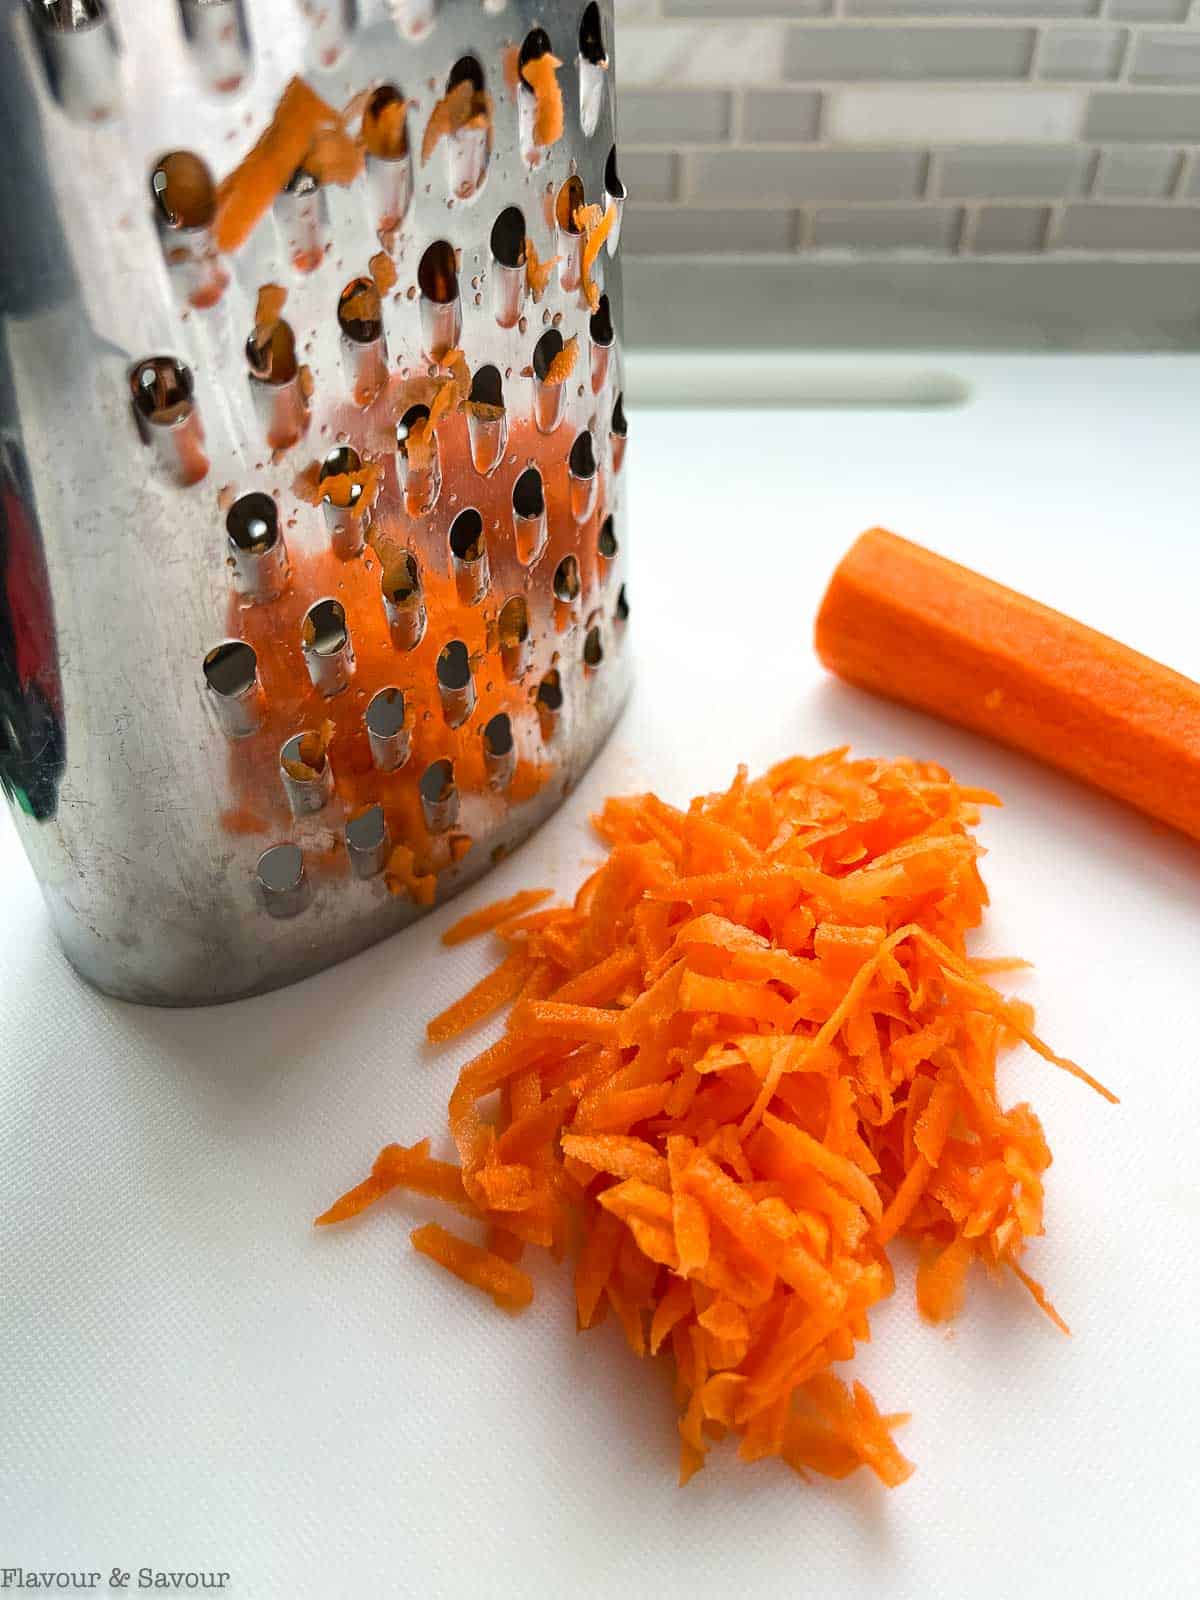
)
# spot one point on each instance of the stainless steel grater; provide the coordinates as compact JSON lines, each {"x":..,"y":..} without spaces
{"x":305,"y":619}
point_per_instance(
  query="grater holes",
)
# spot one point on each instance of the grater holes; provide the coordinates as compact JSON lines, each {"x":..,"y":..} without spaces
{"x":593,"y":69}
{"x":281,"y":881}
{"x":469,"y":146}
{"x":162,"y":389}
{"x":329,"y":22}
{"x":413,"y":415}
{"x":325,"y":632}
{"x":455,"y":684}
{"x":385,"y":124}
{"x":593,"y":648}
{"x":535,"y":45}
{"x":606,"y":543}
{"x":528,"y":497}
{"x":359,"y":311}
{"x":401,"y":579}
{"x":569,"y":200}
{"x":439,"y":796}
{"x":582,"y":459}
{"x":513,"y":629}
{"x":342,"y":459}
{"x":499,"y":751}
{"x":161,"y":394}
{"x":185,"y":195}
{"x":601,"y":336}
{"x":621,"y":611}
{"x":619,"y":425}
{"x":367,"y":841}
{"x":612,"y":181}
{"x":498,"y":735}
{"x":487,"y":421}
{"x":566,"y":580}
{"x":281,"y":867}
{"x":581,"y":466}
{"x":437,"y":276}
{"x":69,"y":16}
{"x":79,"y":50}
{"x":253,"y":523}
{"x":466,"y":69}
{"x":387,"y":730}
{"x":600,"y":328}
{"x":215,"y":31}
{"x":487,"y":387}
{"x":328,"y":652}
{"x":544,"y":351}
{"x":454,"y":666}
{"x":231,"y":669}
{"x":591,"y":36}
{"x":466,"y":536}
{"x":402,"y":602}
{"x":271,"y":354}
{"x":385,"y":714}
{"x":468,"y":550}
{"x":306,"y":773}
{"x":529,"y":516}
{"x":549,"y":702}
{"x":508,"y":237}
{"x":347,"y":524}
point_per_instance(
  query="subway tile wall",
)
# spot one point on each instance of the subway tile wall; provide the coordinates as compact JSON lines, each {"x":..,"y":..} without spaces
{"x":934,"y":127}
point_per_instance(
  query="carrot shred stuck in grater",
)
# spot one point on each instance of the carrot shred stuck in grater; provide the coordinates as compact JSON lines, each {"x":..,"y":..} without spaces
{"x":312,"y":576}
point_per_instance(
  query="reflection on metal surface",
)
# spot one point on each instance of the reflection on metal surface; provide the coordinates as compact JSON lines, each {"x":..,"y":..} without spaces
{"x":206,"y":601}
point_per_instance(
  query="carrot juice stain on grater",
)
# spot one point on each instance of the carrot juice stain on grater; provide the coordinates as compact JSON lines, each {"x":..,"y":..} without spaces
{"x":335,"y":549}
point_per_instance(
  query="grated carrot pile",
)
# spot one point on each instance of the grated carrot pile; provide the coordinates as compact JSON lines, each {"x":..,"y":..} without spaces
{"x":752,"y":1053}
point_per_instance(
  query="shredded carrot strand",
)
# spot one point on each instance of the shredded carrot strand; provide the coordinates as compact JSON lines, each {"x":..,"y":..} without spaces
{"x":491,"y":916}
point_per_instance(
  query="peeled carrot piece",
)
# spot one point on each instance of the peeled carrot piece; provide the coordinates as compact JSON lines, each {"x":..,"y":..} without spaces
{"x":509,"y":1287}
{"x":909,"y":624}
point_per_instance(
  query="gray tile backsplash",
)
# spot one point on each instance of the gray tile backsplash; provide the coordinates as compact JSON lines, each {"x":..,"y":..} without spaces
{"x":934,"y":228}
{"x":1137,"y":172}
{"x":927,"y":127}
{"x":873,"y":52}
{"x":1167,"y":56}
{"x":782,"y":177}
{"x":1138,"y":228}
{"x":1081,"y":55}
{"x":1149,"y":10}
{"x":1010,"y":172}
{"x":781,"y":116}
{"x":1008,"y":230}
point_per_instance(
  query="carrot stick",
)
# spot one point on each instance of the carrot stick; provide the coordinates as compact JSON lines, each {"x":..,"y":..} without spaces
{"x":903,"y":622}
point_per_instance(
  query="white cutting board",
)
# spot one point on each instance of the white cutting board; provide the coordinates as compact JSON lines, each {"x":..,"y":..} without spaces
{"x":191,"y":1378}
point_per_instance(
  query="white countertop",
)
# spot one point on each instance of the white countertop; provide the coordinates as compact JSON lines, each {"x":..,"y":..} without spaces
{"x":191,"y":1378}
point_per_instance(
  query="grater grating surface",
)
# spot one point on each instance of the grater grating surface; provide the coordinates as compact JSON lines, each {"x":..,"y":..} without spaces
{"x":288,"y":663}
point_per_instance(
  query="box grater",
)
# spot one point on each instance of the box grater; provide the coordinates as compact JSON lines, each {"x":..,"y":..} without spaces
{"x":313,"y":602}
